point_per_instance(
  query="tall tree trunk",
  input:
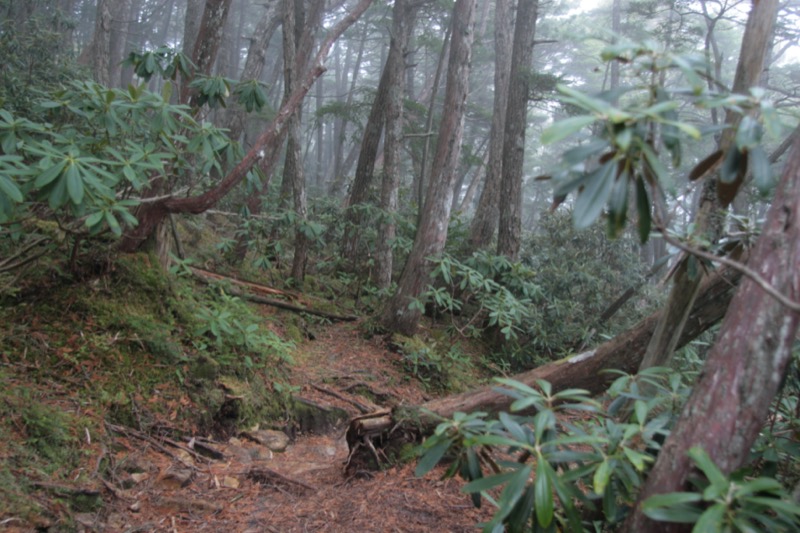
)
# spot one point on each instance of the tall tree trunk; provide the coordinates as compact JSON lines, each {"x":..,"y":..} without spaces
{"x":730,"y":402}
{"x":298,"y":33}
{"x":402,"y":24}
{"x":710,"y":218}
{"x":97,"y":54}
{"x":420,"y":180}
{"x":432,"y":231}
{"x":150,"y":215}
{"x":191,"y":25}
{"x":510,"y":225}
{"x":484,"y":224}
{"x":119,"y":40}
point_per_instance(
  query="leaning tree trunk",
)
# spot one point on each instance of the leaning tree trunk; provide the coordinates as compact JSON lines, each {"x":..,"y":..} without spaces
{"x":150,"y":215}
{"x":730,"y":402}
{"x":709,"y":220}
{"x":585,"y":370}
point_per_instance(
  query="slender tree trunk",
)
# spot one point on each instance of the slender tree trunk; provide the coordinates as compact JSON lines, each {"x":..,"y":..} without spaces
{"x":420,"y":182}
{"x":710,"y":217}
{"x":299,"y":27}
{"x":365,"y":170}
{"x":730,"y":402}
{"x":402,"y":24}
{"x":432,"y":231}
{"x":484,"y":224}
{"x":510,"y":226}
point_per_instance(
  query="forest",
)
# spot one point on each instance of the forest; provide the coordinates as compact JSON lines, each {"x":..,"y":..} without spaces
{"x":409,"y":265}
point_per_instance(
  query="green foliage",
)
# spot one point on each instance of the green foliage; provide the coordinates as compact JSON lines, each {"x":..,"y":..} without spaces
{"x":558,"y":469}
{"x":580,"y":274}
{"x":727,"y":503}
{"x":545,"y":305}
{"x":164,"y":62}
{"x":35,"y":61}
{"x":439,"y":366}
{"x":501,"y":293}
{"x":633,"y":126}
{"x":238,"y":339}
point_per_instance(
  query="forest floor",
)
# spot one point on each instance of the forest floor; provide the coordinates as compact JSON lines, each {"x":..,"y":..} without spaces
{"x":156,"y":483}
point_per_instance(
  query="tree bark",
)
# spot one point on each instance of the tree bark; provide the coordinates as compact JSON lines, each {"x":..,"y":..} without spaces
{"x":402,"y":24}
{"x":432,"y":231}
{"x":510,"y":224}
{"x":97,"y":54}
{"x":484,"y":224}
{"x":151,"y":214}
{"x":730,"y":402}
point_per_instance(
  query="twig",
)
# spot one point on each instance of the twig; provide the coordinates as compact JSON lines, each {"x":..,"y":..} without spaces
{"x":752,"y":274}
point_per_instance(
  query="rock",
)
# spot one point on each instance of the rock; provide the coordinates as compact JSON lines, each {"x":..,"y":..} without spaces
{"x":230,"y":482}
{"x":139,"y":477}
{"x":277,"y":441}
{"x":177,"y":478}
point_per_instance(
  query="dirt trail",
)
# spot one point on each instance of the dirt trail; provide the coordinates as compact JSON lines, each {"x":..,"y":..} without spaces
{"x":304,"y":488}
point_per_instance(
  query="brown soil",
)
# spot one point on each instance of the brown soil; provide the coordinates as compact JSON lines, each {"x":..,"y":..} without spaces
{"x":159,"y":487}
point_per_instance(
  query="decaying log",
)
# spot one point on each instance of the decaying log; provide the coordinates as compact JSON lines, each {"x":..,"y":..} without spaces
{"x":255,"y":287}
{"x":205,"y":277}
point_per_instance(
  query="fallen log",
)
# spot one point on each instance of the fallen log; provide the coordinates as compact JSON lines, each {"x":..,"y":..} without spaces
{"x":206,"y":277}
{"x":584,"y":371}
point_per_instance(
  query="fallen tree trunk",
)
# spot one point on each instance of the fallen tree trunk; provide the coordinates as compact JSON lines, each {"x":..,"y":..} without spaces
{"x":584,"y":371}
{"x":624,"y":352}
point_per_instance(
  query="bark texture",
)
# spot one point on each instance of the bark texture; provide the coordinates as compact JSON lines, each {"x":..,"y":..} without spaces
{"x":484,"y":224}
{"x":402,"y":23}
{"x":747,"y":364}
{"x":432,"y":231}
{"x":510,"y":226}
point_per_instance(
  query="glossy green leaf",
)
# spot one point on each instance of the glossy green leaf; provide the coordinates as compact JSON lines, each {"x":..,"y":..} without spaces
{"x":731,"y":164}
{"x":10,"y":189}
{"x":761,"y":169}
{"x":74,"y":184}
{"x":564,"y":128}
{"x":488,"y":482}
{"x":706,"y":464}
{"x":592,"y":200}
{"x":711,"y":520}
{"x":432,"y":457}
{"x":602,"y":476}
{"x":50,"y":174}
{"x":748,"y":134}
{"x":543,"y":495}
